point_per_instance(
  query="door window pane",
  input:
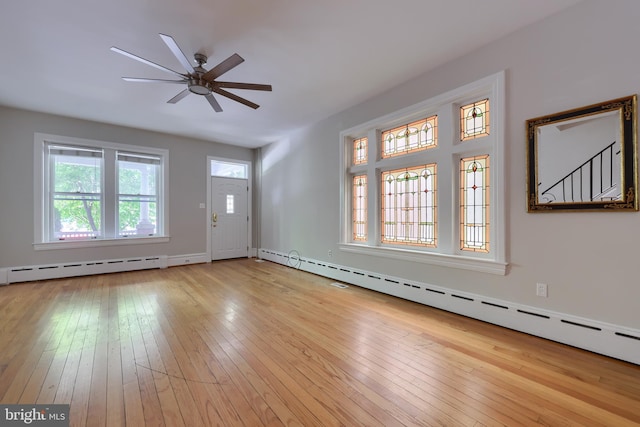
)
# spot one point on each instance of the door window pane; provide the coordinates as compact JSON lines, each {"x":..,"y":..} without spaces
{"x":230,"y":204}
{"x":229,"y":169}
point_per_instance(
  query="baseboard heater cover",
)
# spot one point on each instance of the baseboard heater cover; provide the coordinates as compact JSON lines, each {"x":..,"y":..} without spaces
{"x":607,"y":339}
{"x":71,"y":269}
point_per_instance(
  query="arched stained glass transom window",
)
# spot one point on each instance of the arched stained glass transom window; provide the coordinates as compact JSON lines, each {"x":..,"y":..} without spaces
{"x":474,"y":203}
{"x":360,"y":151}
{"x":474,"y":120}
{"x":415,"y":136}
{"x":360,"y":208}
{"x":409,"y":206}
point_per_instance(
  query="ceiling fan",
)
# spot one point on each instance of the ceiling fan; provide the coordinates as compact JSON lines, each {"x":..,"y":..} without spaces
{"x":197,"y":79}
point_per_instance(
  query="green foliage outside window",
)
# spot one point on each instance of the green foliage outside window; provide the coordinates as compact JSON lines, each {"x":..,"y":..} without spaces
{"x":79,"y":211}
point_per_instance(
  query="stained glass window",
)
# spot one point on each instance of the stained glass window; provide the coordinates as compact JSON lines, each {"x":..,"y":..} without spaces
{"x":423,"y":195}
{"x":360,"y":208}
{"x":360,"y":151}
{"x":474,"y":120}
{"x":409,"y":206}
{"x":474,"y":203}
{"x":416,"y":136}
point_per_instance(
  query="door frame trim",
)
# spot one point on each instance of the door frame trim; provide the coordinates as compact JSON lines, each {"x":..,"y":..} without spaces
{"x":209,"y":209}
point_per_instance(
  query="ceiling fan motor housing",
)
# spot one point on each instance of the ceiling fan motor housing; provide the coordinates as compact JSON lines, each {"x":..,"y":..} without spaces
{"x":200,"y":58}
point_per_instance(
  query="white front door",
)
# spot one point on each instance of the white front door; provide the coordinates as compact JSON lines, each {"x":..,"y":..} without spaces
{"x":229,"y":218}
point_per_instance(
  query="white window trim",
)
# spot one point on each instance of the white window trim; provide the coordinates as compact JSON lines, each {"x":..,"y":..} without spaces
{"x":494,"y":262}
{"x":40,"y":243}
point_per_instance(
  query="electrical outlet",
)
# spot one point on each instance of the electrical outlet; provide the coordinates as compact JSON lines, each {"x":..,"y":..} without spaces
{"x":330,"y":253}
{"x":541,"y":290}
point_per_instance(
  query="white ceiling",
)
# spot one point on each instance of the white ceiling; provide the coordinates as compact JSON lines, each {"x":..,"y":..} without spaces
{"x":320,"y":56}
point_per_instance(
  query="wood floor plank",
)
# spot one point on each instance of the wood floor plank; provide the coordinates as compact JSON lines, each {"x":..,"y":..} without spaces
{"x":240,"y":343}
{"x":303,"y":363}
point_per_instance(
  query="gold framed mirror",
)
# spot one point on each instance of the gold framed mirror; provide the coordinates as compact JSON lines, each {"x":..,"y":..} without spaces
{"x":584,"y":159}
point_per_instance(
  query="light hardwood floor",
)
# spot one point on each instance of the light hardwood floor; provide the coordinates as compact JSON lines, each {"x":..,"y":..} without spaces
{"x":246,"y":343}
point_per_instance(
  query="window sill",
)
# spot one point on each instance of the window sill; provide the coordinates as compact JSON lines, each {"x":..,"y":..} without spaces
{"x":73,"y":244}
{"x":443,"y":260}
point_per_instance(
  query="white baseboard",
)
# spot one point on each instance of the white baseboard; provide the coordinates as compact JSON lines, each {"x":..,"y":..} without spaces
{"x":610,"y":340}
{"x":3,"y":276}
{"x":176,"y":260}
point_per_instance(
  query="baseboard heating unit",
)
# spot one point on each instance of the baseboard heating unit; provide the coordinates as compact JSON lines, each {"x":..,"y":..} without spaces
{"x":71,"y":269}
{"x":607,"y":339}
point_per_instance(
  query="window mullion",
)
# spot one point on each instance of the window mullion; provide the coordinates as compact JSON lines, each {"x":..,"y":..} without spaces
{"x":373,"y":188}
{"x":109,"y":196}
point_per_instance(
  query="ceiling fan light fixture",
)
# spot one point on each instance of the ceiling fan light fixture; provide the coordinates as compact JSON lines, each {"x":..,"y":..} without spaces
{"x":199,"y":87}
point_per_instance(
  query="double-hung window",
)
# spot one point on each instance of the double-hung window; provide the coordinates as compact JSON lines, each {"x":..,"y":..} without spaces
{"x":138,"y":179}
{"x":91,"y":193}
{"x":426,"y":183}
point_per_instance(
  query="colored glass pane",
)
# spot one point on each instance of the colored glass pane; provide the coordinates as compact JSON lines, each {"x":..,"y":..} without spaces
{"x":415,"y":136}
{"x":474,"y":204}
{"x":409,"y":206}
{"x":360,"y":208}
{"x":360,"y":151}
{"x":474,"y":120}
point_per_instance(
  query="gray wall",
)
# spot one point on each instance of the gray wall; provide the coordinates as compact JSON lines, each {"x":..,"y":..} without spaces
{"x":187,"y":187}
{"x":584,"y":55}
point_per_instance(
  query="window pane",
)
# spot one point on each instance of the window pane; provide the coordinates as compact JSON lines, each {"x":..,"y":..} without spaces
{"x":228,"y":170}
{"x":360,"y":208}
{"x":230,"y":204}
{"x":360,"y":151}
{"x":474,"y":204}
{"x":474,"y":120}
{"x":76,"y":185}
{"x":416,"y":136}
{"x":409,"y":214}
{"x":137,"y":194}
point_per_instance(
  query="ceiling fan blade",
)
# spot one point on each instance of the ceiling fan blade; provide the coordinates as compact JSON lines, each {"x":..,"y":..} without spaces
{"x":175,"y":49}
{"x":235,"y":85}
{"x":140,"y":80}
{"x":226,"y":65}
{"x":213,"y":103}
{"x":235,"y":98}
{"x":146,"y":61}
{"x":178,"y":97}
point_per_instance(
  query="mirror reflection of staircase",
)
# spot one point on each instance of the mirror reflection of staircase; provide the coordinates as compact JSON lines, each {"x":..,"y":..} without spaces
{"x":597,"y":179}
